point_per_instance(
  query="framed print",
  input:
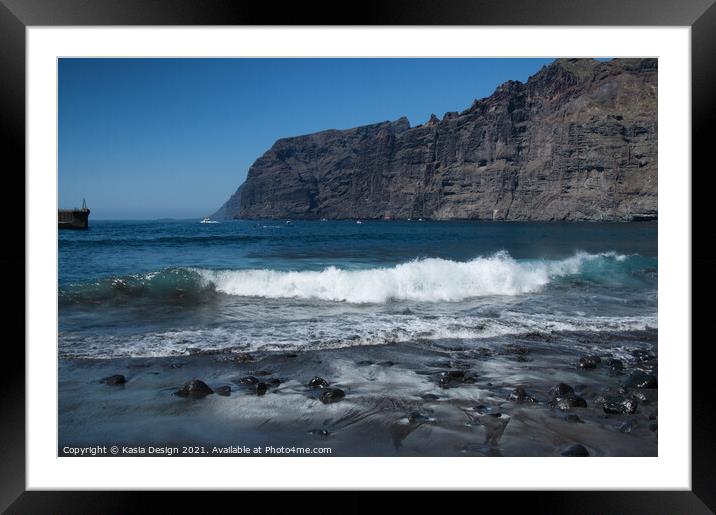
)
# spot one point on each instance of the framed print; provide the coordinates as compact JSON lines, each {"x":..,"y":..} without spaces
{"x":455,"y":240}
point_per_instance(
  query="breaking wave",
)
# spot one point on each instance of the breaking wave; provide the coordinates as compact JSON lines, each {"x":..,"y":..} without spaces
{"x":420,"y":280}
{"x":424,"y":280}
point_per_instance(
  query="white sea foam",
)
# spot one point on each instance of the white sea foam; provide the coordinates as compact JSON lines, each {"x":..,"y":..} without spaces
{"x":424,"y":280}
{"x":348,"y":330}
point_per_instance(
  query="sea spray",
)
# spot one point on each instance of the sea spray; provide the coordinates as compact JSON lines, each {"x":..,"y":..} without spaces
{"x":420,"y":280}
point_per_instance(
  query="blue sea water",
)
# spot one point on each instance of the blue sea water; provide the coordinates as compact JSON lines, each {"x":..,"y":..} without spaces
{"x":164,"y":288}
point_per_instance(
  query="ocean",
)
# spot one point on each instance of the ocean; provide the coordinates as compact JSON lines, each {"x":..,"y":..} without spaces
{"x":350,"y":296}
{"x":166,"y":288}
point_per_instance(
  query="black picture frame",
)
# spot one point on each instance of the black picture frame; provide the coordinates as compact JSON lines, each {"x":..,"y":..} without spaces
{"x":17,"y":15}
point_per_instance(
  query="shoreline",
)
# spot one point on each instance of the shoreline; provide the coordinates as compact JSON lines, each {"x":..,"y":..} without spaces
{"x":440,"y":398}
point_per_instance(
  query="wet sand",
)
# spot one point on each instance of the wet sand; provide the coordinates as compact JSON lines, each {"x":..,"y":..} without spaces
{"x":437,"y":398}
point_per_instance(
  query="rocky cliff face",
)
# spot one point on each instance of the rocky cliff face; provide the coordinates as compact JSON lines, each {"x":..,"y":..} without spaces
{"x":578,"y":141}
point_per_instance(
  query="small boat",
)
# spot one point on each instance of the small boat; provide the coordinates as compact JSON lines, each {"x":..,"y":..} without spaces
{"x":208,"y":221}
{"x":358,"y":222}
{"x":288,"y":222}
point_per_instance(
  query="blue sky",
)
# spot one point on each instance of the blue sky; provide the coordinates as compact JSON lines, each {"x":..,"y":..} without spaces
{"x":154,"y":138}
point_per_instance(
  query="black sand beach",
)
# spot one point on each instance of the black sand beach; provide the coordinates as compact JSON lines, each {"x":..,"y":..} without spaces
{"x":437,"y":398}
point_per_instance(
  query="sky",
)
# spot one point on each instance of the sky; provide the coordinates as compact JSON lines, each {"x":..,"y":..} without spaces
{"x":174,"y":138}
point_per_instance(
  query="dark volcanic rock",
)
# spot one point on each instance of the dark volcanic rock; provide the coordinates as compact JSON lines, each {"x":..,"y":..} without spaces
{"x":589,"y":361}
{"x":447,"y":382}
{"x":576,"y":450}
{"x":616,"y":366}
{"x":627,"y":427}
{"x":224,"y":391}
{"x":568,"y":401}
{"x":519,"y":394}
{"x":318,"y":382}
{"x":195,"y":389}
{"x":639,"y":379}
{"x":561,"y":390}
{"x":577,"y":141}
{"x":620,"y":405}
{"x":330,"y":395}
{"x":564,"y":398}
{"x":114,"y":380}
{"x":261,"y":388}
{"x":452,"y":378}
{"x":643,"y":354}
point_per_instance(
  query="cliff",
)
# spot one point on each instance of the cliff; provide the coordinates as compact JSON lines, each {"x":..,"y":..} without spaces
{"x":578,"y":141}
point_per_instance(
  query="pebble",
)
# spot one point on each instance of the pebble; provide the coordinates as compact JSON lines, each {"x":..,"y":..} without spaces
{"x":318,"y":382}
{"x":331,"y":395}
{"x":620,"y":405}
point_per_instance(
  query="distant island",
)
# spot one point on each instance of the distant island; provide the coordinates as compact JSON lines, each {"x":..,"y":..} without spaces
{"x":576,"y":142}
